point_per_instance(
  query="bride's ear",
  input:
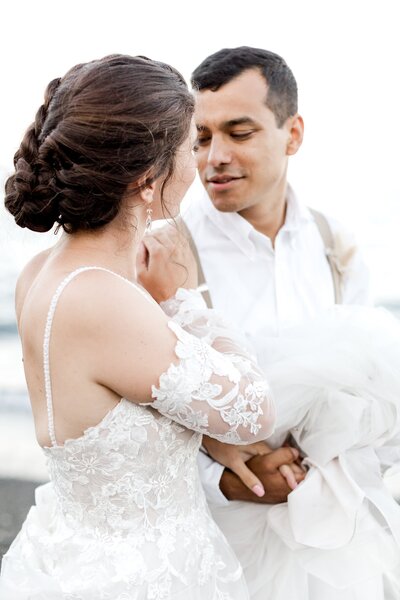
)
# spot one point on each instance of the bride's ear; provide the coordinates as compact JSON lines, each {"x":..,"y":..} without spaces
{"x":147,"y":191}
{"x":145,"y":188}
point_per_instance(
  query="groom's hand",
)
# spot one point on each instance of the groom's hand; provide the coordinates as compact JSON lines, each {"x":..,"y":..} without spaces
{"x":266,"y":469}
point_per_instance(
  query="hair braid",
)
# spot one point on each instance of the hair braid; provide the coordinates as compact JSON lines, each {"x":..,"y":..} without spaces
{"x":103,"y":128}
{"x":31,"y":191}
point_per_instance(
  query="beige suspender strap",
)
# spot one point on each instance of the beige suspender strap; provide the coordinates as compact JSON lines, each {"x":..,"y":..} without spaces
{"x":327,"y":238}
{"x":329,"y":243}
{"x":203,"y":288}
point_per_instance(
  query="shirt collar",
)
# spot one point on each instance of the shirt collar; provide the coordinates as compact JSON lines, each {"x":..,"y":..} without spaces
{"x":297,"y":215}
{"x":240,"y":231}
{"x":231,"y":224}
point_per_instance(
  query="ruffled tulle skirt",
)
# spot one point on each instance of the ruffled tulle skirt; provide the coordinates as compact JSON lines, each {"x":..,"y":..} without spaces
{"x":336,"y":382}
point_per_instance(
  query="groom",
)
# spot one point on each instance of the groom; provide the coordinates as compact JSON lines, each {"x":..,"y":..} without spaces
{"x":268,"y":260}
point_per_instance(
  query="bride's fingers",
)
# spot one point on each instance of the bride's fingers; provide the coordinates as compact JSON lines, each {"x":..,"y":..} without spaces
{"x":282,"y":456}
{"x":298,"y":469}
{"x":150,"y":250}
{"x":248,"y":478}
{"x":247,"y":452}
{"x":289,"y":475}
{"x":257,"y":448}
{"x":142,"y":257}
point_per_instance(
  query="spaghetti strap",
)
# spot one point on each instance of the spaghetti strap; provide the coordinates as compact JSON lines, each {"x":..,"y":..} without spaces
{"x":47,"y":334}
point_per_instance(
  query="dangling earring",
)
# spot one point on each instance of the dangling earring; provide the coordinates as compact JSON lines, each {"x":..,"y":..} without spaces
{"x":58,"y":225}
{"x":149,"y":213}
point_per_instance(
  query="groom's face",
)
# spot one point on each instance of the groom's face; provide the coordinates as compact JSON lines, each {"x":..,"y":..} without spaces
{"x":241,"y":152}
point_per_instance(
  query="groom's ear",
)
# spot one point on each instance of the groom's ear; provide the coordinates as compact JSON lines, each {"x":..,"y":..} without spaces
{"x":295,"y":128}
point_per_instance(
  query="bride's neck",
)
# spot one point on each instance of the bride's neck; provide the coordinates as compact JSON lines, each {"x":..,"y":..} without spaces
{"x":114,"y":246}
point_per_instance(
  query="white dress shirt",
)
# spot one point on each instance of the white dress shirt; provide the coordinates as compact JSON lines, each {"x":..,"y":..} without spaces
{"x":263,"y":289}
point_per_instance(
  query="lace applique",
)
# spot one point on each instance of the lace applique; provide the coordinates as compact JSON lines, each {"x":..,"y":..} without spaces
{"x":125,"y":517}
{"x":189,"y":393}
{"x":216,"y":390}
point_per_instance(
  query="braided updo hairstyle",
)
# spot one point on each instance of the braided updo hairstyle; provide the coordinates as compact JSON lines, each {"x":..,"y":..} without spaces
{"x":104,"y":125}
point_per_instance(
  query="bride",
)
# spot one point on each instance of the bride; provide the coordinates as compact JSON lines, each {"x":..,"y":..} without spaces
{"x":121,"y":391}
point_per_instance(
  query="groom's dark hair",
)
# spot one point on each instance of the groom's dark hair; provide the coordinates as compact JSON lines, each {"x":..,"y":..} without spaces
{"x":226,"y":64}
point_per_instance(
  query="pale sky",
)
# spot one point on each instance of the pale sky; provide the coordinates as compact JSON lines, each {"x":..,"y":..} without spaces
{"x":344,"y":55}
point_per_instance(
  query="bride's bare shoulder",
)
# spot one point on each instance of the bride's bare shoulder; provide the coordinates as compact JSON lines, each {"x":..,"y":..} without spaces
{"x":27,"y":277}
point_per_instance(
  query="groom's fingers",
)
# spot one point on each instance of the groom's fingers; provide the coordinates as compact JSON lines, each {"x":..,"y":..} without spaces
{"x":248,"y":478}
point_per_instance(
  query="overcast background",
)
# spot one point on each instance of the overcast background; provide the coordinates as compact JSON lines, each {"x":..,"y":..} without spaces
{"x":345,"y":57}
{"x":344,"y":54}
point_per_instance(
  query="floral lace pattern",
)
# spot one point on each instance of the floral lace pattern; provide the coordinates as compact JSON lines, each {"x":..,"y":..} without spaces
{"x":125,"y":517}
{"x":216,"y":388}
{"x":105,"y":479}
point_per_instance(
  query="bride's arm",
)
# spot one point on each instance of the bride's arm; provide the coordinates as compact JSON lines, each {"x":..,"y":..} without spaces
{"x":129,"y":346}
{"x":165,"y":263}
{"x":222,"y":380}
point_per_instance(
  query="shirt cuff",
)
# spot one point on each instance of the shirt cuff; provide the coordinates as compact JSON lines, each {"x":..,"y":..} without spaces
{"x":210,"y":476}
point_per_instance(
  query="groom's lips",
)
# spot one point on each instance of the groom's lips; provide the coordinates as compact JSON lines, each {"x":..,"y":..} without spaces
{"x":219,"y":183}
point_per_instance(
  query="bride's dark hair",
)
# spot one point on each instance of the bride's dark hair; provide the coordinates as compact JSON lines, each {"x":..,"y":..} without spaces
{"x":104,"y":125}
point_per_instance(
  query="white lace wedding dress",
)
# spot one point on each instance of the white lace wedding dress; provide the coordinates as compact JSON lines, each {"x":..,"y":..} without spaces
{"x":336,"y":384}
{"x":124,"y":516}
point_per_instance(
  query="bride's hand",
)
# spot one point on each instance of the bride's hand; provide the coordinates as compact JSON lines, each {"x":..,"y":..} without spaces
{"x":165,"y":263}
{"x":293,"y":473}
{"x":290,"y":472}
{"x":235,"y":458}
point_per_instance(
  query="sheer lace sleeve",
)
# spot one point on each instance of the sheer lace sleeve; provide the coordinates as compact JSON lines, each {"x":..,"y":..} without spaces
{"x":216,"y":388}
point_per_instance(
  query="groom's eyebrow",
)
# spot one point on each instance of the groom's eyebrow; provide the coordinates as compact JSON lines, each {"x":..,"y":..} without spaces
{"x":239,"y":121}
{"x":245,"y":120}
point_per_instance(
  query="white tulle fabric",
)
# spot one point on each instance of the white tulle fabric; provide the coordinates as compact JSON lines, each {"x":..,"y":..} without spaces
{"x":124,"y":516}
{"x":336,"y":383}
